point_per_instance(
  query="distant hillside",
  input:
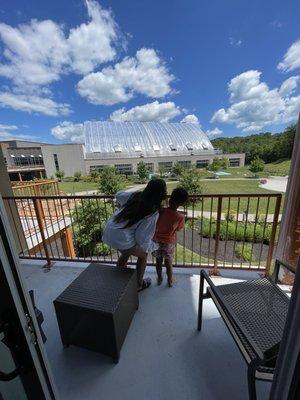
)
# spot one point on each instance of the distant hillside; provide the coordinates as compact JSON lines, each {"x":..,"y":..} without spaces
{"x":270,"y":147}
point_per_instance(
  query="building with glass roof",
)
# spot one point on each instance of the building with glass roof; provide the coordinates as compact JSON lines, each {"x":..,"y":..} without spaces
{"x":158,"y":144}
{"x":124,"y":144}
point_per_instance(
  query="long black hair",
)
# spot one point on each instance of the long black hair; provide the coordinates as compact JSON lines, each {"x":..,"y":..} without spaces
{"x":141,"y":204}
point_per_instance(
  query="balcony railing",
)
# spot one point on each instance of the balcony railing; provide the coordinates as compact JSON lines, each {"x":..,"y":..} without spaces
{"x":221,"y":231}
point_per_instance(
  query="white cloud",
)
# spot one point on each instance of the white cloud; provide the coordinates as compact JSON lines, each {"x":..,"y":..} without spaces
{"x":67,"y":130}
{"x":212,"y":133}
{"x":289,"y":85}
{"x":92,"y":44}
{"x":291,"y":59}
{"x":38,"y":53}
{"x":155,"y":111}
{"x":7,"y":132}
{"x":33,"y":104}
{"x":145,"y":73}
{"x":235,"y":42}
{"x":254,"y":105}
{"x":190,"y":119}
{"x":4,"y":127}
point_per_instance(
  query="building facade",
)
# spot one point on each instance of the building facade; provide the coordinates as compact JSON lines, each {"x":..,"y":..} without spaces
{"x":121,"y":144}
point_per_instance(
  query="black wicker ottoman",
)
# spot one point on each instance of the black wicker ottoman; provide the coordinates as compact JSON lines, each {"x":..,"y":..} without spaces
{"x":96,"y":309}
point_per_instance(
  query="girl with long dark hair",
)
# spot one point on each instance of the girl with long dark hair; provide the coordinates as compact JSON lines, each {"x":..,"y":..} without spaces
{"x":131,"y":228}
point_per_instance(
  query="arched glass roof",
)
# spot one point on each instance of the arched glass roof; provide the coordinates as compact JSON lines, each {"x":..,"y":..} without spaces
{"x":144,"y":138}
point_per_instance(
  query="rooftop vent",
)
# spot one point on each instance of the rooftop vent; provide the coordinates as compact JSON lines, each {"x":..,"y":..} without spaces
{"x":118,"y":148}
{"x":137,"y":148}
{"x":173,"y":147}
{"x":155,"y":147}
{"x":189,"y":146}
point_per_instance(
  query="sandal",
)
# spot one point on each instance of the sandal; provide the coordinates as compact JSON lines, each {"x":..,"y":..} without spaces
{"x":146,"y":283}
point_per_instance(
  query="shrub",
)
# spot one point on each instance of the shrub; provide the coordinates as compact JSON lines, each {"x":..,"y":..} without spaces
{"x":142,"y":171}
{"x":217,"y":164}
{"x":239,"y":231}
{"x":59,"y":175}
{"x":230,"y":215}
{"x":89,"y":219}
{"x":190,"y":180}
{"x":101,"y":249}
{"x":77,"y":176}
{"x":177,"y":169}
{"x":94,"y":176}
{"x":244,"y":252}
{"x":256,"y":165}
{"x":110,"y":181}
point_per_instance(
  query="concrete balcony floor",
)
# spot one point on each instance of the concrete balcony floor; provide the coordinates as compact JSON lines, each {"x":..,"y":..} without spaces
{"x":163,"y":357}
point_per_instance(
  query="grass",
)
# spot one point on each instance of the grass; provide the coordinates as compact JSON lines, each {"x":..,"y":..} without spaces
{"x":186,"y":256}
{"x":247,"y":186}
{"x":81,"y":186}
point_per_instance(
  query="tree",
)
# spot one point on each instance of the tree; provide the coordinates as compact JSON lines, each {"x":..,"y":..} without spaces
{"x":161,"y":170}
{"x":177,"y":169}
{"x":217,"y":164}
{"x":110,"y":181}
{"x":256,"y":165}
{"x":77,"y":176}
{"x":89,"y":218}
{"x":190,"y":180}
{"x":267,"y":146}
{"x":142,"y":171}
{"x":94,"y":176}
{"x":59,"y":175}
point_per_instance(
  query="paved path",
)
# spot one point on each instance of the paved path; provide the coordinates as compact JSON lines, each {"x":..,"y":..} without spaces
{"x":276,"y":183}
{"x":241,"y":217}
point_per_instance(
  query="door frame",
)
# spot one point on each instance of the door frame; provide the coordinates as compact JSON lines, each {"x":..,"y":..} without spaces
{"x":41,"y":375}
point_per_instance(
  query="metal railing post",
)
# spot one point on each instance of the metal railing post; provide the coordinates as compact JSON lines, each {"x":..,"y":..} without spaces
{"x":273,"y":234}
{"x":215,"y":270}
{"x":39,"y":217}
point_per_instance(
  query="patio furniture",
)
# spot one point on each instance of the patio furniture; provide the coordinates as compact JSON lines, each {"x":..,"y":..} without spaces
{"x":254,"y":312}
{"x":96,"y":309}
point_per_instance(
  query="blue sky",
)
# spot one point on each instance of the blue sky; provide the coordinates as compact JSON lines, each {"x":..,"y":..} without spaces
{"x":232,"y":66}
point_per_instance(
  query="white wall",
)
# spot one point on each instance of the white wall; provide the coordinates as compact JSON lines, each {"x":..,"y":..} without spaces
{"x":70,"y":158}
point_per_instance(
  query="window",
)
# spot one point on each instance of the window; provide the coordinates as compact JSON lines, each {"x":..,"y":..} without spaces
{"x":234,"y":162}
{"x":166,"y":165}
{"x":185,"y":164}
{"x":125,"y":169}
{"x":150,"y":167}
{"x":56,"y":162}
{"x":202,"y":163}
{"x":96,"y":168}
{"x":118,"y":148}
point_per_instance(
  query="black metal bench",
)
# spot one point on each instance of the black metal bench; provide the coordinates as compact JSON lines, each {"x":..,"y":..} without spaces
{"x":255,"y":312}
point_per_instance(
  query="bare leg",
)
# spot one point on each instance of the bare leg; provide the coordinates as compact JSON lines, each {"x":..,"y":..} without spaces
{"x":169,"y":268}
{"x":123,"y":259}
{"x":140,"y":270}
{"x":159,"y":262}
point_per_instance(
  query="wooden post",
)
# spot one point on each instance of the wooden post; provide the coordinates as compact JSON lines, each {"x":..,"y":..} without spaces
{"x":67,"y":243}
{"x":41,"y":228}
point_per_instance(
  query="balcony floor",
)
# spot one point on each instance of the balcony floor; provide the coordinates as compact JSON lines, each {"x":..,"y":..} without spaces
{"x":163,"y":356}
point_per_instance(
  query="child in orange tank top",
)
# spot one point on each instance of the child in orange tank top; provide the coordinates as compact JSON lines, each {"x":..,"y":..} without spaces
{"x":169,"y":222}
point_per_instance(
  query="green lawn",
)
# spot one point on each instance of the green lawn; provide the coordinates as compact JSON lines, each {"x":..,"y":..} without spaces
{"x":81,"y":186}
{"x":247,"y":186}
